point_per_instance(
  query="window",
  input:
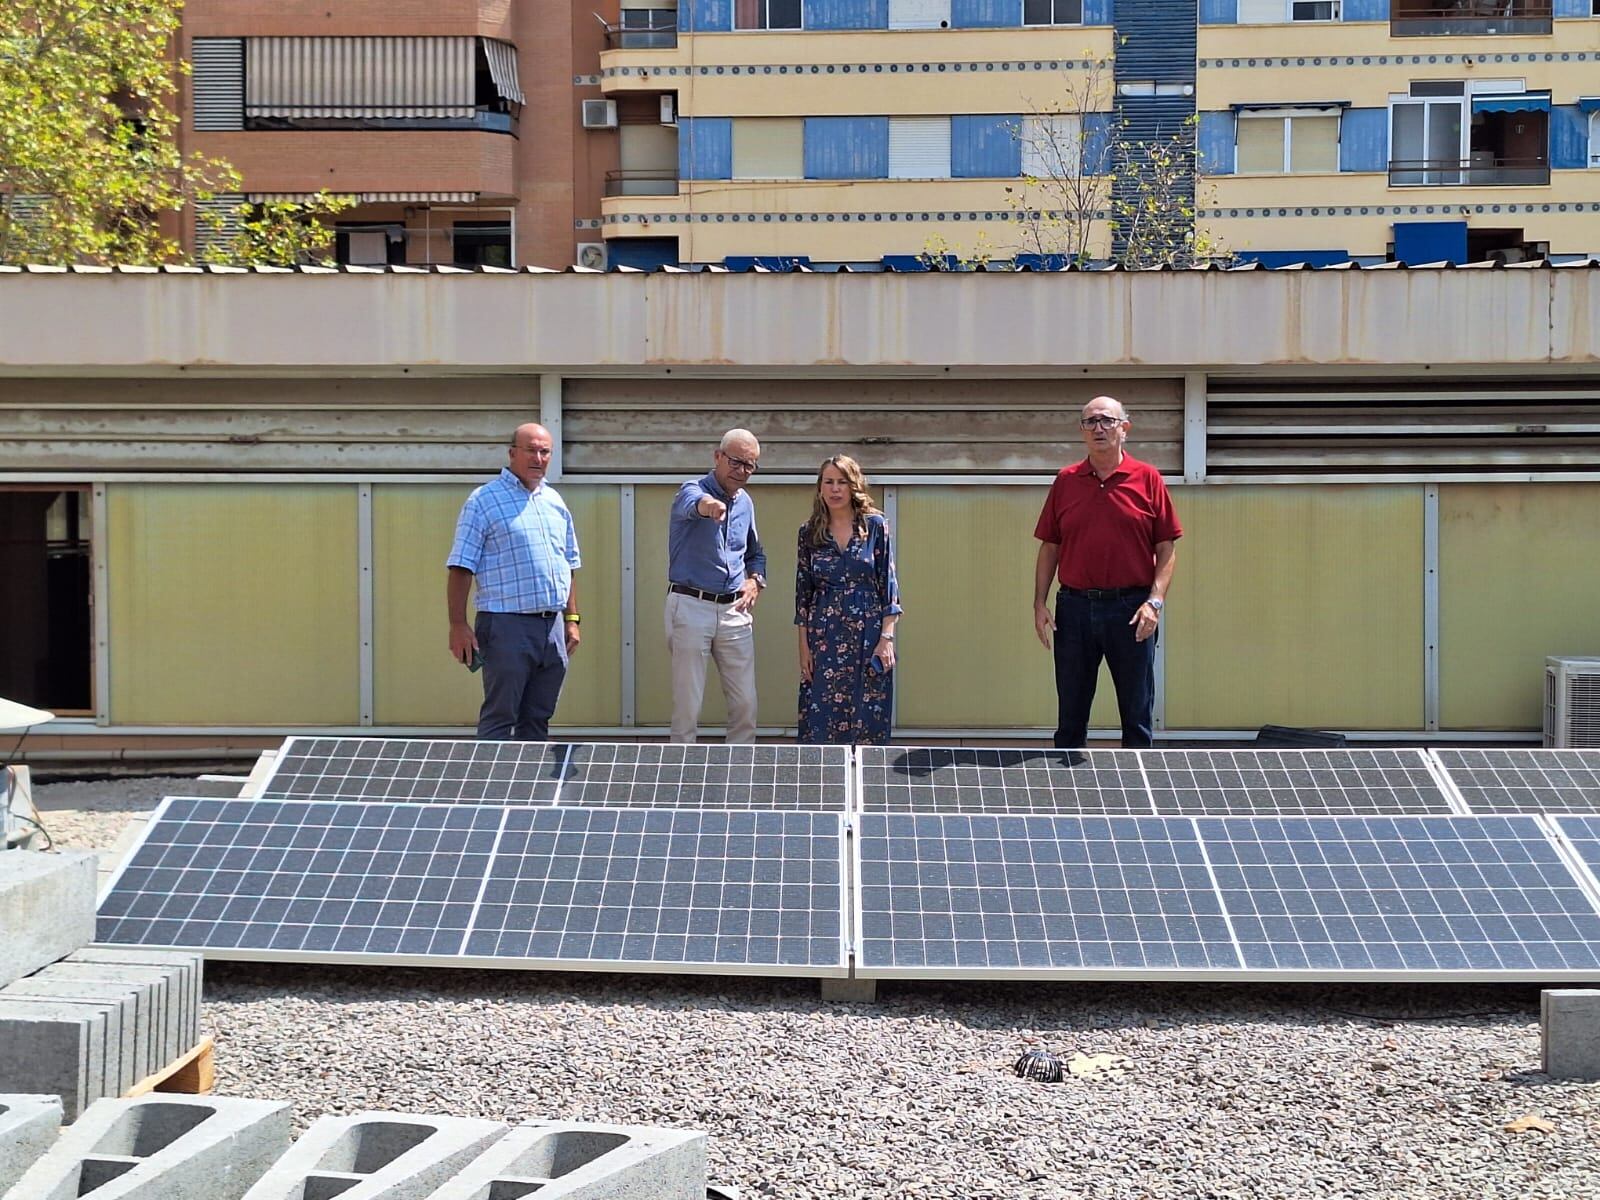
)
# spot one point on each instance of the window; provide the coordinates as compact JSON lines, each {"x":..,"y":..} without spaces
{"x":49,"y":627}
{"x":1425,"y":134}
{"x":1278,"y":142}
{"x":769,"y":148}
{"x":1594,"y":134}
{"x":482,"y":244}
{"x":919,"y":147}
{"x":766,"y":14}
{"x":1052,"y":12}
{"x":647,"y":29}
{"x":1052,"y":146}
{"x":1313,"y":10}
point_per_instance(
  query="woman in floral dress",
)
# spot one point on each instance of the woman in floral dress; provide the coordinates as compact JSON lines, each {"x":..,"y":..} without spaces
{"x":846,"y":604}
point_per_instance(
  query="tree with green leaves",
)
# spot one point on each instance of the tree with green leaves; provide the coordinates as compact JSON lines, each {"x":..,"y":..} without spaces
{"x":90,"y":169}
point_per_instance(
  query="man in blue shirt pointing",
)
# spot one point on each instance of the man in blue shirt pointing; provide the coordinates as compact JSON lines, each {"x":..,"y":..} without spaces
{"x":515,"y":539}
{"x":716,"y":569}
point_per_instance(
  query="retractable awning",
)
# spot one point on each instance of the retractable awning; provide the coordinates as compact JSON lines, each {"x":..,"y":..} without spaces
{"x":1589,"y":104}
{"x":1526,"y":102}
{"x":502,"y":58}
{"x":359,"y":77}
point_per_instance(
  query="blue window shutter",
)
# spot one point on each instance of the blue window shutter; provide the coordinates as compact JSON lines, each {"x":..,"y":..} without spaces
{"x":985,"y":14}
{"x":846,"y":14}
{"x":1097,"y":143}
{"x":1419,"y":242}
{"x":1216,"y":142}
{"x":1572,"y":8}
{"x":705,"y":147}
{"x":847,"y":147}
{"x":1364,"y":139}
{"x":706,"y":16}
{"x":1219,"y":12}
{"x":1097,"y":12}
{"x":1569,"y":137}
{"x":1364,"y":10}
{"x":985,"y":147}
{"x":1293,"y":258}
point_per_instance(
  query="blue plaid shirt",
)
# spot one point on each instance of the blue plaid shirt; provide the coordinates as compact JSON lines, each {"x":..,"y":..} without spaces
{"x":521,"y":546}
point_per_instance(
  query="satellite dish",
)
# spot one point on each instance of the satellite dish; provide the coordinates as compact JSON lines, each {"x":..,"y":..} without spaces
{"x":20,"y":716}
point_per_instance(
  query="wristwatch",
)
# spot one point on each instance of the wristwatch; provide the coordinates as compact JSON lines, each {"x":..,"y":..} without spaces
{"x":761,"y":580}
{"x":1156,"y":603}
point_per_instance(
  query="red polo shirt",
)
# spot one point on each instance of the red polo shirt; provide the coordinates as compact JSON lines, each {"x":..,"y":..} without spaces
{"x":1108,"y":531}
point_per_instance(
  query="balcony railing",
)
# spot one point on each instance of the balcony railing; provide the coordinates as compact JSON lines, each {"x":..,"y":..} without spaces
{"x":638,"y":37}
{"x":1481,"y":170}
{"x":1470,"y":17}
{"x":642,"y":183}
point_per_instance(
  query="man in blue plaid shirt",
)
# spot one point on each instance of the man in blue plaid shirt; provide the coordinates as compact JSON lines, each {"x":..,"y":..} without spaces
{"x":516,"y":539}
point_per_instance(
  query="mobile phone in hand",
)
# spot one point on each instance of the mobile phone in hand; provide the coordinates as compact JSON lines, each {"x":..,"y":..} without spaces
{"x":477,"y":660}
{"x":877,"y":664}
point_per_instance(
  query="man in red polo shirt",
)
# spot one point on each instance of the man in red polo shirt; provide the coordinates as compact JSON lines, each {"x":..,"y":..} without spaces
{"x":1109,"y":530}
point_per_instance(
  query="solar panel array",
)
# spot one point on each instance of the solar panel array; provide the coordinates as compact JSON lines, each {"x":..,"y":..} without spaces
{"x":908,"y":861}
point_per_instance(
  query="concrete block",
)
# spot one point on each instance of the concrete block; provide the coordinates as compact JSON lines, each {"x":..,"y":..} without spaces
{"x":165,"y":1021}
{"x":161,"y":1147}
{"x":1569,"y":1027}
{"x":580,"y":1161}
{"x":55,"y":1047}
{"x":376,"y":1156}
{"x":190,"y":964}
{"x":47,"y":904}
{"x":125,"y":1030}
{"x":28,"y":1125}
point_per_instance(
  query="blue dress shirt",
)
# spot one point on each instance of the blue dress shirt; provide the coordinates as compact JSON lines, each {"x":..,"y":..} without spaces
{"x":714,"y":556}
{"x":520,"y":545}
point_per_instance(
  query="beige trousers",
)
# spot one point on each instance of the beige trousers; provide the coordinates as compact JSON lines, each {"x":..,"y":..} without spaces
{"x":697,"y":629}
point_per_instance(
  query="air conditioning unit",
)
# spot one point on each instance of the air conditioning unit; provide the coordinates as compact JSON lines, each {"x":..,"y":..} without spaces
{"x":669,"y":109}
{"x":593,"y":255}
{"x":1572,"y":702}
{"x":599,"y":114}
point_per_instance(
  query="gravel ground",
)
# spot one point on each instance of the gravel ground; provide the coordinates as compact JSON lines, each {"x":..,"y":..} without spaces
{"x":1265,"y":1092}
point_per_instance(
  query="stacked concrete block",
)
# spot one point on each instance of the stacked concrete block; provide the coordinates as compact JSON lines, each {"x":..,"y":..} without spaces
{"x":28,"y":1125}
{"x":161,"y":1147}
{"x":376,"y":1156}
{"x":47,"y":907}
{"x":580,"y":1161}
{"x":57,"y":1047}
{"x":143,"y":1014}
{"x":1569,"y":1025}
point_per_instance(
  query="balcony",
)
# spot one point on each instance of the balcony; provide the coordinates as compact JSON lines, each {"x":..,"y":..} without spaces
{"x":637,"y":182}
{"x":644,"y":29}
{"x":1483,"y":169}
{"x":1468,"y":18}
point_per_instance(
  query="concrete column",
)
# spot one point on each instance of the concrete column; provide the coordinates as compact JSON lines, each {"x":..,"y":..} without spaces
{"x":1569,"y":1027}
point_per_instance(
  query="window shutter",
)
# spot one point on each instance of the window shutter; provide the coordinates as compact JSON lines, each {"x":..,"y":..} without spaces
{"x":768,"y":147}
{"x":1052,"y":146}
{"x":919,"y":14}
{"x":919,"y":147}
{"x":217,"y":83}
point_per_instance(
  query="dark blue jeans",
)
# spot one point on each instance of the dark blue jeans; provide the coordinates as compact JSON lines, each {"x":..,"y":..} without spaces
{"x":524,"y":665}
{"x":1087,"y":631}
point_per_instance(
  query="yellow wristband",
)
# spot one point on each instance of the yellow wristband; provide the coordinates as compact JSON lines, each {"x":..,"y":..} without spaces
{"x":572,"y":619}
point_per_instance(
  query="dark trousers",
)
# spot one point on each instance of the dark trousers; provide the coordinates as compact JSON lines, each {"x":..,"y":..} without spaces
{"x":524,"y":664}
{"x":1087,"y":631}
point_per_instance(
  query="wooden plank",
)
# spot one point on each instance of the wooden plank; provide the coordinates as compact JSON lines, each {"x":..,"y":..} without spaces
{"x":1543,"y":457}
{"x":194,"y":1074}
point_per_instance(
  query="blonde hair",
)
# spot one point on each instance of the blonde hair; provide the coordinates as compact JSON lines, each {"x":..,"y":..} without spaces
{"x":860,"y":499}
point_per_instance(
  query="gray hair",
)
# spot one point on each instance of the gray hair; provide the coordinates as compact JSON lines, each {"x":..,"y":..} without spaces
{"x":1122,"y":409}
{"x":738,"y":435}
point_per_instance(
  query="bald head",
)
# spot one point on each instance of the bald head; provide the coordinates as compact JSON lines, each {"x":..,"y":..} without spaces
{"x":529,"y":455}
{"x":1106,"y":404}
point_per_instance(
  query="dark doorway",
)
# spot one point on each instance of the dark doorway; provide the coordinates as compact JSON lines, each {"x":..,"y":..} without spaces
{"x":46,"y":638}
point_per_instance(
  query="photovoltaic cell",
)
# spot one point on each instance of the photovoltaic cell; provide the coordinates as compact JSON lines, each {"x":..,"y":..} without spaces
{"x":415,"y":770}
{"x":652,"y":775}
{"x":970,"y":780}
{"x":683,"y":889}
{"x":1584,"y":834}
{"x":1409,"y":895}
{"x":948,"y":894}
{"x":675,"y":887}
{"x":1529,"y":780}
{"x":1310,"y":782}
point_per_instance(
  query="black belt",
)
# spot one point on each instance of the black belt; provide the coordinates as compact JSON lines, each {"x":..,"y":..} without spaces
{"x":683,"y":589}
{"x":1106,"y":593}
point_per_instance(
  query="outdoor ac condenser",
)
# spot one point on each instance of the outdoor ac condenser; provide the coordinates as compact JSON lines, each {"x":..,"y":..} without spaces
{"x":1572,"y":702}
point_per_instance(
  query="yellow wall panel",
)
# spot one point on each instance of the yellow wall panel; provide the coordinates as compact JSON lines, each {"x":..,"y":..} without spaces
{"x":233,"y":604}
{"x":1297,"y":606}
{"x":780,"y":510}
{"x":415,"y":680}
{"x":968,"y":653}
{"x":1519,"y":565}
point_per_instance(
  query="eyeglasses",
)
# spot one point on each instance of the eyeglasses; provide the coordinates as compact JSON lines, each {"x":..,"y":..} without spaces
{"x":741,"y":464}
{"x":1099,"y":422}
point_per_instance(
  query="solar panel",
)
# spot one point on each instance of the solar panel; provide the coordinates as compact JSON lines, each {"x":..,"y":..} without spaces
{"x":414,"y":769}
{"x":967,"y":780}
{"x":1525,"y":780}
{"x":652,"y":775}
{"x":1311,"y":782}
{"x":1402,"y":895}
{"x":501,"y":885}
{"x":945,"y":894}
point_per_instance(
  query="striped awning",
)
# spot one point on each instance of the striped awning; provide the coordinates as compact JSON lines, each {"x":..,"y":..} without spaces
{"x":359,"y":77}
{"x":1524,"y":102}
{"x":502,"y":58}
{"x":369,"y":197}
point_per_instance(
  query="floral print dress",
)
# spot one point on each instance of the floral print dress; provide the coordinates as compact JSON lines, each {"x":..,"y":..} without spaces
{"x":841,"y":598}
